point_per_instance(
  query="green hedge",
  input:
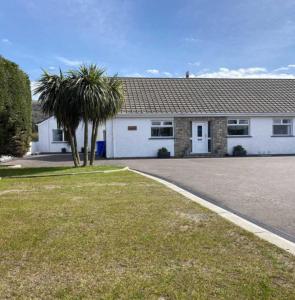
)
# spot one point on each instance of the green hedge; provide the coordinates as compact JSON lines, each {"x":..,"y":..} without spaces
{"x":15,"y":109}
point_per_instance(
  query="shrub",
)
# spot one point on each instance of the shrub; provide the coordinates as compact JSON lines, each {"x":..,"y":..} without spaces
{"x":163,"y":150}
{"x":239,"y":151}
{"x":163,"y":153}
{"x":35,"y":136}
{"x":15,"y":109}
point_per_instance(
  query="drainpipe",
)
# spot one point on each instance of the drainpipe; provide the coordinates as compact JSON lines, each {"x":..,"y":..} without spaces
{"x":49,"y":144}
{"x":113,"y":138}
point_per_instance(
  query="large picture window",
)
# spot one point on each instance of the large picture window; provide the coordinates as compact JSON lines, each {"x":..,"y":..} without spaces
{"x":238,"y":127}
{"x":282,"y":127}
{"x":162,"y":129}
{"x":58,"y":135}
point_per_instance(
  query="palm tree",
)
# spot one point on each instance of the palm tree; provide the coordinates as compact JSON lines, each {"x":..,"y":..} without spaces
{"x":106,"y":107}
{"x":87,"y":87}
{"x":83,"y":94}
{"x":55,"y":98}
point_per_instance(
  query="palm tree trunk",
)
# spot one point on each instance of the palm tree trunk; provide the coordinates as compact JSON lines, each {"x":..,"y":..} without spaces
{"x":85,"y":142}
{"x":73,"y":148}
{"x":76,"y":148}
{"x":93,"y":141}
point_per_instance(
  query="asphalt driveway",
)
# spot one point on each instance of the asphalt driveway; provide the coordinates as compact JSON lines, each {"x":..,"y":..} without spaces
{"x":261,"y":189}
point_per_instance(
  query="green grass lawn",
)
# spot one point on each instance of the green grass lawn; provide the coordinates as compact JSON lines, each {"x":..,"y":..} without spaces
{"x":6,"y":172}
{"x":123,"y":236}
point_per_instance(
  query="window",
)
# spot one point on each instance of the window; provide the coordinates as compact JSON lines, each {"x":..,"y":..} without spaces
{"x":200,"y":131}
{"x":282,"y":127}
{"x":238,"y":127}
{"x":132,"y":128}
{"x":58,"y":135}
{"x":162,"y":129}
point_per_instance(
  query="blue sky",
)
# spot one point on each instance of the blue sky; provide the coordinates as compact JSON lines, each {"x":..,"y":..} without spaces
{"x":162,"y":38}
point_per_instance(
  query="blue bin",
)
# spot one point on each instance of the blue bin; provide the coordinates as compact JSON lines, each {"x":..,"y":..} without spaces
{"x":101,"y":148}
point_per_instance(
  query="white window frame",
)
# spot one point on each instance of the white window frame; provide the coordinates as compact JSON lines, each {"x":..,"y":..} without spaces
{"x":239,"y":122}
{"x":161,"y":124}
{"x":282,"y":122}
{"x":63,"y":136}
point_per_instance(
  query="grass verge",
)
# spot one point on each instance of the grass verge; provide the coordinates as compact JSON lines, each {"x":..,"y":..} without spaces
{"x":6,"y":172}
{"x":121,"y":235}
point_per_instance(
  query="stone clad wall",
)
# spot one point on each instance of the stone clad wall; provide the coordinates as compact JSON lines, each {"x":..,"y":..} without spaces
{"x":183,"y":134}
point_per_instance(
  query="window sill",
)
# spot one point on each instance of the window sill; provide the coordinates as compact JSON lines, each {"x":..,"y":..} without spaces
{"x":239,"y":136}
{"x":61,"y":142}
{"x":162,"y":138}
{"x":282,"y":136}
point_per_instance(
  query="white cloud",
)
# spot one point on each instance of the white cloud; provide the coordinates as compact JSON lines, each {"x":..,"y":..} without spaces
{"x":281,"y":69}
{"x":6,"y":41}
{"x":149,"y":72}
{"x":153,"y":71}
{"x":284,"y":68}
{"x":194,"y":64}
{"x":33,"y":86}
{"x":103,"y":21}
{"x":134,"y":75}
{"x":254,"y":72}
{"x":69,"y":62}
{"x":167,"y":74}
{"x":205,"y":70}
{"x":51,"y":68}
{"x":191,"y":39}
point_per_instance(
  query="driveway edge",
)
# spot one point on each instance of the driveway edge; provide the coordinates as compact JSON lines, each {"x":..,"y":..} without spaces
{"x":237,"y":220}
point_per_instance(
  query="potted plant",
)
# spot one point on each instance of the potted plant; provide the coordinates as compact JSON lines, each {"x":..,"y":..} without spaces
{"x":239,"y":151}
{"x":163,"y":153}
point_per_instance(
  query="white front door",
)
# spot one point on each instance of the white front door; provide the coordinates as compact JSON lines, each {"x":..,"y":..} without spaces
{"x":200,"y":137}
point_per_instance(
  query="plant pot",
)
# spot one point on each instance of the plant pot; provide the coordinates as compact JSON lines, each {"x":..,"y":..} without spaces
{"x":164,"y":155}
{"x":239,"y":151}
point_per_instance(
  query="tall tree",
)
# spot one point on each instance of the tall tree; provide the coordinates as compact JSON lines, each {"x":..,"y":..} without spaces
{"x":87,"y":86}
{"x":56,"y":98}
{"x":15,"y":109}
{"x":106,"y":107}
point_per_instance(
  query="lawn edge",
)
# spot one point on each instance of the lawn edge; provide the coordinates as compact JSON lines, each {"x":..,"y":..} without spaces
{"x":258,"y":231}
{"x":66,"y":174}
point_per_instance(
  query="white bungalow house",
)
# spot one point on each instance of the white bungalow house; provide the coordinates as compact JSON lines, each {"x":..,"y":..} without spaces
{"x":193,"y":116}
{"x":52,"y":139}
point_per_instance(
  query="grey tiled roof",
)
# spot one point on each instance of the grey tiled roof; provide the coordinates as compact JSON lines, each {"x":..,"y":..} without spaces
{"x":204,"y":95}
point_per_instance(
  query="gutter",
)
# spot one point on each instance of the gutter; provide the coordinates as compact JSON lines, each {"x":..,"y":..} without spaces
{"x":190,"y":115}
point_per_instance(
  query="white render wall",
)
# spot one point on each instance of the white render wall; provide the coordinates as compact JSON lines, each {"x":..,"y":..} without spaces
{"x":261,"y":140}
{"x":123,"y":143}
{"x":45,"y":143}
